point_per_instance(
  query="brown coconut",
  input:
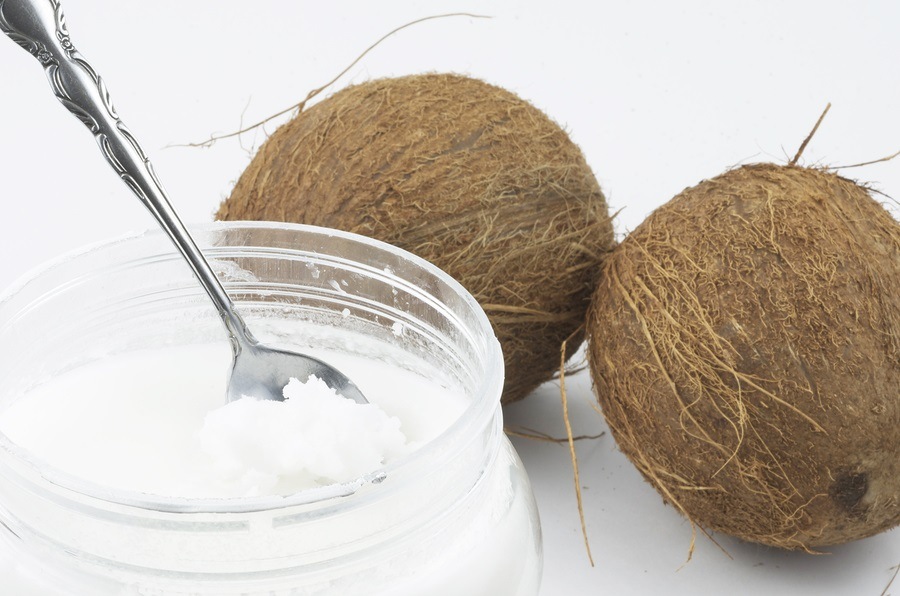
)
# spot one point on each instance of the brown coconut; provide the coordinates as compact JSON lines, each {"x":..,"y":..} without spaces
{"x":462,"y":173}
{"x":744,"y":344}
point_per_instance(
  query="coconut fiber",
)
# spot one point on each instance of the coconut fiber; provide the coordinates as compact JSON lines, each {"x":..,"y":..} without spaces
{"x":463,"y":174}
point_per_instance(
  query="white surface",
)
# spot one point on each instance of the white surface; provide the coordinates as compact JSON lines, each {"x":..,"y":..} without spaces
{"x":658,"y":94}
{"x":165,"y":428}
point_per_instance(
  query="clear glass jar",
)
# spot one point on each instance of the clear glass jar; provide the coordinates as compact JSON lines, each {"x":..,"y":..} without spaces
{"x":457,"y":517}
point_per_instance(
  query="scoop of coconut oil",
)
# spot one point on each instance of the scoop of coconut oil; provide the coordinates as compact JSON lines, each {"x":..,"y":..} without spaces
{"x":313,"y":437}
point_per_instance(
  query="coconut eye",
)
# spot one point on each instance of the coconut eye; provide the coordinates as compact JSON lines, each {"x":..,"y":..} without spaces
{"x":849,"y":490}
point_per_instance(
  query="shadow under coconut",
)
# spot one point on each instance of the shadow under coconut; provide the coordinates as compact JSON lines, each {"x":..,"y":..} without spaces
{"x":828,"y":571}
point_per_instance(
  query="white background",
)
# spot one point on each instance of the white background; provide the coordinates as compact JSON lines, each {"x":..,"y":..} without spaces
{"x":659,"y":95}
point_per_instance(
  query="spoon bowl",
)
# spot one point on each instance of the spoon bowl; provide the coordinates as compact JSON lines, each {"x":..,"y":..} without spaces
{"x":262,"y":372}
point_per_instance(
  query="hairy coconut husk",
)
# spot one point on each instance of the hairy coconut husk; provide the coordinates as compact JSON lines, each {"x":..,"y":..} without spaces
{"x":744,"y":343}
{"x":463,"y":174}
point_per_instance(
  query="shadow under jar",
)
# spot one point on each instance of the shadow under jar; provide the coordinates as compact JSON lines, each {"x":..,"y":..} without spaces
{"x":454,"y":517}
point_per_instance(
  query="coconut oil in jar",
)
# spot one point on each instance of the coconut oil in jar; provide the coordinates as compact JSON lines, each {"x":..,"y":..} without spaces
{"x":448,"y":512}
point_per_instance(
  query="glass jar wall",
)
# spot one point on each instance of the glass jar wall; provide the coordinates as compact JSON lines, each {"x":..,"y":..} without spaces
{"x":455,"y":517}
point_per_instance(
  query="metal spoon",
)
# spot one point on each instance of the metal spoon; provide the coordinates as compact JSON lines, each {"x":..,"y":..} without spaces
{"x":39,"y":27}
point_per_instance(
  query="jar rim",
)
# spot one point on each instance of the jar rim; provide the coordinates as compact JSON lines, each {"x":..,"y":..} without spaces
{"x":485,"y":397}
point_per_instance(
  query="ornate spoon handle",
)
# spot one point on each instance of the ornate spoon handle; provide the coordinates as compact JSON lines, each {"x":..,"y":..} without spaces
{"x":39,"y":26}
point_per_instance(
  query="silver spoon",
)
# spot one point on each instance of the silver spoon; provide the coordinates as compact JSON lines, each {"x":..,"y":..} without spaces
{"x":39,"y":27}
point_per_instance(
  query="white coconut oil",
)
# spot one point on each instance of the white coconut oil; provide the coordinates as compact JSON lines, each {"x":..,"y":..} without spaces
{"x":155,"y":421}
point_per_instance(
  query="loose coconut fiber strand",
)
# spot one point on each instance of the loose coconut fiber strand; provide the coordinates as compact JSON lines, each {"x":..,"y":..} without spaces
{"x":745,"y":348}
{"x":463,"y":174}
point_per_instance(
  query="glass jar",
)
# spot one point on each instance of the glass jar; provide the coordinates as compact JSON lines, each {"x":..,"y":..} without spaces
{"x":457,"y":517}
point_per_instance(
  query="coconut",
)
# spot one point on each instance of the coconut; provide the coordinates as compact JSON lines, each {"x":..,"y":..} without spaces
{"x":744,"y":344}
{"x":462,"y":173}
